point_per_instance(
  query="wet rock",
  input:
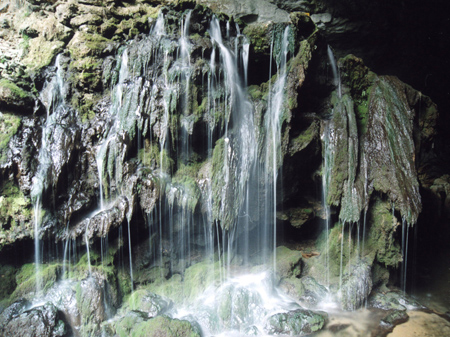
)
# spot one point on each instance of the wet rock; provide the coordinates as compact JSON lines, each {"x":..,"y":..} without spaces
{"x":38,"y":321}
{"x":248,"y":11}
{"x":395,"y":317}
{"x":99,"y":224}
{"x":139,"y":325}
{"x":14,"y":310}
{"x":299,"y":322}
{"x":393,"y":300}
{"x":92,"y":304}
{"x":148,"y":302}
{"x":64,"y":296}
{"x":239,"y":307}
{"x":356,"y":285}
{"x":313,"y":292}
{"x":297,"y":217}
{"x":288,"y":262}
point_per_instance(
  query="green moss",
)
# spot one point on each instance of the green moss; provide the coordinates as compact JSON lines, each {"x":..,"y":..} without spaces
{"x":15,"y":210}
{"x":9,"y":124}
{"x":259,"y":36}
{"x":152,"y":157}
{"x":13,"y":89}
{"x":198,"y":277}
{"x":26,"y":279}
{"x":304,"y":139}
{"x":194,"y":282}
{"x":84,"y":44}
{"x":25,"y":43}
{"x":41,"y":53}
{"x":381,"y":243}
{"x":171,"y":288}
{"x":288,"y":262}
{"x":135,"y":326}
{"x":185,"y":177}
{"x":255,"y":92}
{"x":8,"y":281}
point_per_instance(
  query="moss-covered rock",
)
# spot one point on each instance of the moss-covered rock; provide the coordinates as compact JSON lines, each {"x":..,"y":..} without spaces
{"x":298,"y":322}
{"x":9,"y":125}
{"x":148,"y":302}
{"x":15,"y":214}
{"x":84,"y":44}
{"x":356,"y":285}
{"x":41,"y":53}
{"x":162,"y":326}
{"x":14,"y":99}
{"x":26,"y":279}
{"x":8,"y":284}
{"x":297,"y":217}
{"x":259,"y":34}
{"x":288,"y":262}
{"x":300,"y":142}
{"x":381,"y":243}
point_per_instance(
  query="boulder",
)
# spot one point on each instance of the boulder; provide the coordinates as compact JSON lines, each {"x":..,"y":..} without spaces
{"x":14,"y":98}
{"x":299,"y":322}
{"x":43,"y":321}
{"x":356,"y":285}
{"x":148,"y":302}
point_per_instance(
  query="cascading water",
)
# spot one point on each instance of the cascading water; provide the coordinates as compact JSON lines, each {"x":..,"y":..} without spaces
{"x":334,"y":68}
{"x":52,"y":96}
{"x":273,"y":155}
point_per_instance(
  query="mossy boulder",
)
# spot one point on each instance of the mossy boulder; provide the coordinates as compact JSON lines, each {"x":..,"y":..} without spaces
{"x":313,"y":291}
{"x":395,"y":317}
{"x":134,"y":324}
{"x":259,"y":34}
{"x":15,"y":214}
{"x":41,"y":320}
{"x":85,"y":44}
{"x":288,"y":262}
{"x":299,"y":322}
{"x":9,"y":125}
{"x":28,"y":277}
{"x":356,"y":285}
{"x":41,"y":53}
{"x":297,"y":217}
{"x":14,"y":98}
{"x":238,"y":307}
{"x":148,"y":302}
{"x":381,"y":243}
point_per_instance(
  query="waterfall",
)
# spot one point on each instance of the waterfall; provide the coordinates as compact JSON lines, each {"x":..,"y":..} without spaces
{"x":52,"y":95}
{"x":326,"y":177}
{"x":273,"y":155}
{"x":334,"y":68}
